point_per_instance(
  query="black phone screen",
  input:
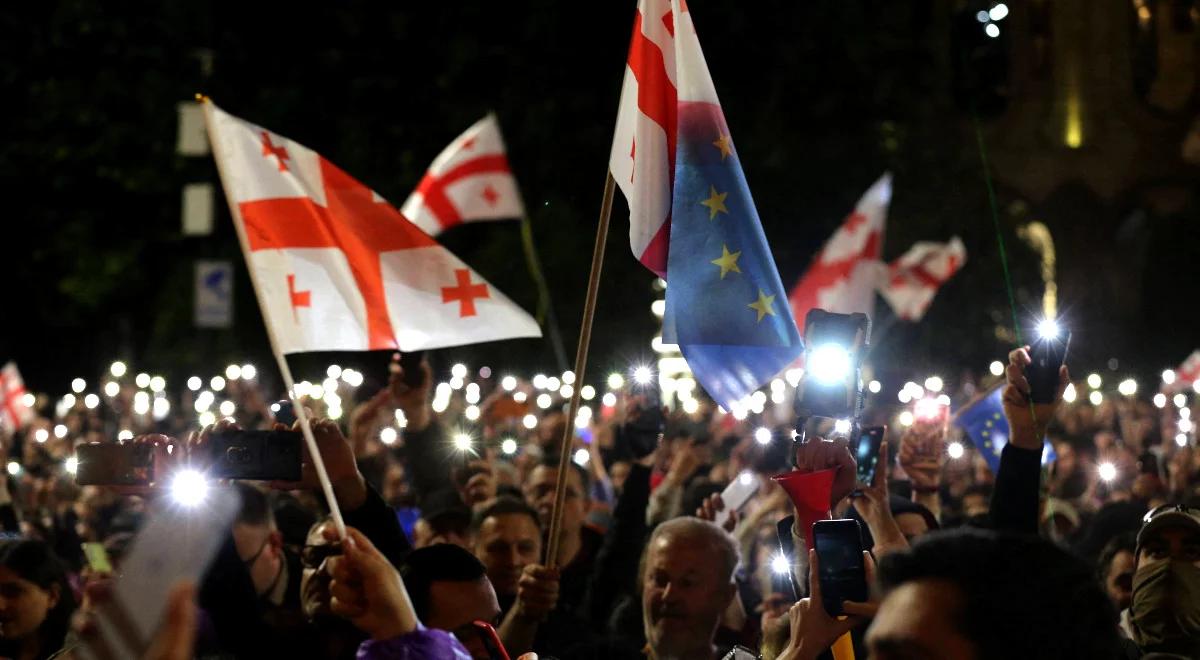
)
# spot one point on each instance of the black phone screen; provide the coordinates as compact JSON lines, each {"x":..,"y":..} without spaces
{"x":410,"y":364}
{"x":1047,"y":355}
{"x":866,"y":452}
{"x":843,"y":575}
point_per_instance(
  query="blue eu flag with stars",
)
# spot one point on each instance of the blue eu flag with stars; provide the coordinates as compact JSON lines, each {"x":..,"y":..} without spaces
{"x":986,"y":425}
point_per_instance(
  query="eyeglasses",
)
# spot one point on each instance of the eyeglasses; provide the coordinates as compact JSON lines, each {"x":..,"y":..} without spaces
{"x":312,"y":556}
{"x":1169,"y":508}
{"x":254,"y":557}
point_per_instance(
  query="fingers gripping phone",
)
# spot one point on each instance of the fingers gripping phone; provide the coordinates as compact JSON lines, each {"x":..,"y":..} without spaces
{"x":736,"y":494}
{"x":865,"y":450}
{"x":843,"y":575}
{"x":1048,"y":355}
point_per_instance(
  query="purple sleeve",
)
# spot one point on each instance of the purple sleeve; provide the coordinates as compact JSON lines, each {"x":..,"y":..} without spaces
{"x":421,"y":644}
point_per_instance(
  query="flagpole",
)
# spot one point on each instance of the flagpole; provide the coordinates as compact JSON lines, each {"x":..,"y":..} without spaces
{"x":314,"y":452}
{"x":546,"y":314}
{"x":585,"y":338}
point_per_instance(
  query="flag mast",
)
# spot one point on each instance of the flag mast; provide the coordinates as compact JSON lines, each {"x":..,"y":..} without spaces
{"x":314,"y":452}
{"x":585,"y":338}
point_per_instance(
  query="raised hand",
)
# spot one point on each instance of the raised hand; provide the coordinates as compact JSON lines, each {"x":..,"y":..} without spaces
{"x":1027,"y":421}
{"x":349,"y":486}
{"x":711,"y":506}
{"x":820,"y":454}
{"x":922,"y":455}
{"x":813,"y":630}
{"x":537,"y":592}
{"x":366,"y":589}
{"x":414,"y":401}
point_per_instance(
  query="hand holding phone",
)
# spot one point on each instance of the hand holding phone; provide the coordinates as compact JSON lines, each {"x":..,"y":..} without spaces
{"x":840,"y":568}
{"x":810,"y":621}
{"x":865,"y":449}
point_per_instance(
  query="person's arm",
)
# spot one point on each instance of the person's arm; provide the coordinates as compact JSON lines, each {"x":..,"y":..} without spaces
{"x":378,"y":522}
{"x":1016,"y":494}
{"x":922,"y":455}
{"x":872,"y":503}
{"x":617,"y":562}
{"x":537,"y":595}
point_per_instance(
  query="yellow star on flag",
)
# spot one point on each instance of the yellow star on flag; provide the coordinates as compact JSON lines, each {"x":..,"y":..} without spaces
{"x":715,"y":202}
{"x":727,"y":261}
{"x":723,"y":143}
{"x":763,"y":305}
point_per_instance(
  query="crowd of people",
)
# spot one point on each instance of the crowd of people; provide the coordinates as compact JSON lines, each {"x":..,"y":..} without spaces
{"x":448,"y":490}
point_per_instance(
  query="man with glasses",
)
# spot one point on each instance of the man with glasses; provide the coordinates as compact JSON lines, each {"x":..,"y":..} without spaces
{"x":1164,"y":613}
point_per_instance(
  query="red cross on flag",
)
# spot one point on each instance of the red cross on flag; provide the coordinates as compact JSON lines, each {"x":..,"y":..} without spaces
{"x":14,"y":411}
{"x":844,"y":276}
{"x":915,"y":277}
{"x":468,"y":182}
{"x":335,"y":265}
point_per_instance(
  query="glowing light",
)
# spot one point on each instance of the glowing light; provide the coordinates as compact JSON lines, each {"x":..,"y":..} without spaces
{"x":581,"y":457}
{"x":992,"y":30}
{"x":996,"y":367}
{"x":943,"y":399}
{"x":587,"y":392}
{"x":1185,"y":413}
{"x":642,"y":375}
{"x":544,"y":401}
{"x":91,"y":401}
{"x":233,"y":372}
{"x":202,"y":402}
{"x":249,"y":372}
{"x":609,"y":399}
{"x":162,"y":407}
{"x":934,"y":384}
{"x":117,"y":369}
{"x":60,"y":431}
{"x":401,"y":419}
{"x":615,"y":381}
{"x":388,"y":435}
{"x":316,"y":392}
{"x":509,"y":383}
{"x":1180,"y":400}
{"x":194,"y":383}
{"x":189,"y":488}
{"x":334,"y":412}
{"x":1196,"y":386}
{"x":334,"y":371}
{"x":777,"y":397}
{"x":568,"y":377}
{"x":111,"y":388}
{"x":472,"y":393}
{"x":955,"y":450}
{"x":927,"y":409}
{"x":142,"y":380}
{"x":1128,"y":387}
{"x":471,"y":413}
{"x":1160,"y":400}
{"x":1095,"y":398}
{"x":983,"y":17}
{"x":691,"y":406}
{"x":41,"y":435}
{"x":1094,"y":381}
{"x":520,"y":397}
{"x":874,"y":386}
{"x":158,"y":384}
{"x":207,"y":419}
{"x":566,"y":391}
{"x":841,"y":427}
{"x":329,"y":384}
{"x":125,"y":434}
{"x":529,"y":421}
{"x":71,"y":465}
{"x":440,"y":404}
{"x":1168,"y":376}
{"x":457,"y":383}
{"x":762,"y":435}
{"x":29,"y":400}
{"x":829,"y":363}
{"x":462,"y":441}
{"x":1181,"y":439}
{"x":906,"y":418}
{"x":1069,"y":394}
{"x":14,"y":468}
{"x":217,"y":383}
{"x":904,"y":396}
{"x":68,"y":401}
{"x":459,"y":371}
{"x":539,"y":381}
{"x":485,"y":372}
{"x":78,"y":385}
{"x":352,"y":377}
{"x":552,"y":383}
{"x":1185,"y":425}
{"x":227,"y":408}
{"x":141,"y":403}
{"x":998,"y":12}
{"x":780,"y":565}
{"x":793,"y":376}
{"x":1108,"y":471}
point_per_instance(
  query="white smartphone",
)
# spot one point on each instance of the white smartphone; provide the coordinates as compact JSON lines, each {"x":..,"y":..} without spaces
{"x":177,"y":543}
{"x":736,"y":494}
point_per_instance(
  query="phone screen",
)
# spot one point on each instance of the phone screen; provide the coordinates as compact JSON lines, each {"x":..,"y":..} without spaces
{"x":866,"y":452}
{"x":839,"y":552}
{"x":1047,"y":355}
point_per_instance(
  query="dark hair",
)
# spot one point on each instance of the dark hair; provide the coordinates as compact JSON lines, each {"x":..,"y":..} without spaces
{"x":35,"y":562}
{"x":1124,"y":542}
{"x":256,"y":507}
{"x":984,"y":490}
{"x":503,"y":506}
{"x":551,"y":461}
{"x":1022,"y":596}
{"x":441,"y":562}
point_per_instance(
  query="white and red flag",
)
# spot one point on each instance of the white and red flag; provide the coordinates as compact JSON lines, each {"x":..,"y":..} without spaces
{"x":469,"y":181}
{"x":1186,"y":374}
{"x":846,"y":273}
{"x":339,"y":268}
{"x":914,"y":278}
{"x":14,"y":409}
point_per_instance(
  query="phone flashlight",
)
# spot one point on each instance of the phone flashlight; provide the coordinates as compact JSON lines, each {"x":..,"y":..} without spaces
{"x":1108,"y":471}
{"x":1048,"y":329}
{"x":189,"y":488}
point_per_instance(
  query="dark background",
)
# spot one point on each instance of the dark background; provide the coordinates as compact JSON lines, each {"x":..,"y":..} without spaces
{"x":821,"y":98}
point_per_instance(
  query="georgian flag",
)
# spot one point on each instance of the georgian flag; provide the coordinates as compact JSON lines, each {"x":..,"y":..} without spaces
{"x":915,"y":277}
{"x":336,"y":267}
{"x":14,"y":411}
{"x":469,"y":181}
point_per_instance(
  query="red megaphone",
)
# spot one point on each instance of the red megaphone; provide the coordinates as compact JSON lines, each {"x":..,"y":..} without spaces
{"x":810,"y":492}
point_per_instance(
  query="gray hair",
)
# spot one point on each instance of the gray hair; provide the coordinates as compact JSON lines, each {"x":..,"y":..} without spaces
{"x":705,"y":532}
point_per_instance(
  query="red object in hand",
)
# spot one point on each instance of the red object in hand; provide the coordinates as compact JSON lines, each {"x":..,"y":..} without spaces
{"x":809,"y":492}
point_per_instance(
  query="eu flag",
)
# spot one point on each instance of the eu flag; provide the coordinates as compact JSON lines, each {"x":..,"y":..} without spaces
{"x":986,"y":425}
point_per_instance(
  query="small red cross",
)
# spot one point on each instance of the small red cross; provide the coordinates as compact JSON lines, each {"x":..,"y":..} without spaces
{"x":299,"y":298}
{"x":465,"y":293}
{"x":278,"y":151}
{"x":490,"y":195}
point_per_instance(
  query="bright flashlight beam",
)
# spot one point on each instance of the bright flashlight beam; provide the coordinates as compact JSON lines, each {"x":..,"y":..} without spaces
{"x":1048,"y":329}
{"x":780,"y":565}
{"x":829,"y":364}
{"x":1108,"y":471}
{"x":189,"y":488}
{"x":642,"y":375}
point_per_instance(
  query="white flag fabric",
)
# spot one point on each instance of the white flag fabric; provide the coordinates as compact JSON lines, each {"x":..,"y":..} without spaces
{"x":339,"y":268}
{"x":915,"y":277}
{"x":469,"y":181}
{"x":14,"y":411}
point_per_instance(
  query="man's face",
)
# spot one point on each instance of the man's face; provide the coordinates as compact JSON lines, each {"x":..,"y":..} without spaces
{"x":539,"y":491}
{"x":682,"y":594}
{"x":23,"y":605}
{"x":1179,"y":543}
{"x":1118,"y":583}
{"x":453,"y":606}
{"x":916,"y":622}
{"x":259,"y":548}
{"x":314,"y":580}
{"x":506,"y":544}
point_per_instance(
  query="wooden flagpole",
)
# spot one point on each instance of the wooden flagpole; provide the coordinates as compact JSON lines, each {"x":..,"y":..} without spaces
{"x":585,"y":338}
{"x":305,"y":426}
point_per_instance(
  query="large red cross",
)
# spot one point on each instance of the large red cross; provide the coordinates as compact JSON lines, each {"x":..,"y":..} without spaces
{"x":278,"y":151}
{"x":351,"y":221}
{"x":433,"y":188}
{"x":465,"y":293}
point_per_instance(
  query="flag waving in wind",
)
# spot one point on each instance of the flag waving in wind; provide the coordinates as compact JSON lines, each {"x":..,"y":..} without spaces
{"x":336,"y":266}
{"x":674,"y":159}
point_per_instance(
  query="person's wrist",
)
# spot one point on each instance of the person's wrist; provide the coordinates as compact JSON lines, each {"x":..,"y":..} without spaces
{"x":350,"y":491}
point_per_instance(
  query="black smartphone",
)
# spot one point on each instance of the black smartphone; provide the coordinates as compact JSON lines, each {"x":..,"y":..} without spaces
{"x":866,"y":452}
{"x":843,"y":574}
{"x":284,"y":412}
{"x":1048,"y":355}
{"x":646,"y":429}
{"x":257,"y":455}
{"x":114,"y":464}
{"x":410,"y":365}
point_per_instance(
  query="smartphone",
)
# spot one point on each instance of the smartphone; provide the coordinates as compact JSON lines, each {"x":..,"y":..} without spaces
{"x":647,"y":428}
{"x":843,"y":574}
{"x":866,"y":452}
{"x":410,"y":364}
{"x":1048,"y":355}
{"x":176,"y":544}
{"x":114,"y":464}
{"x":491,"y":641}
{"x":736,"y":494}
{"x":258,"y":455}
{"x":97,"y":557}
{"x":284,"y":412}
